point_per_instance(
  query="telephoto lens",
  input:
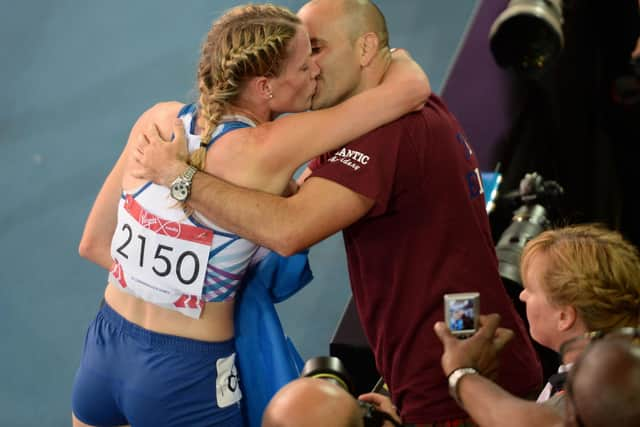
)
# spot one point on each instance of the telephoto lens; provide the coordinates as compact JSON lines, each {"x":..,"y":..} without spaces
{"x":527,"y":36}
{"x":328,"y":368}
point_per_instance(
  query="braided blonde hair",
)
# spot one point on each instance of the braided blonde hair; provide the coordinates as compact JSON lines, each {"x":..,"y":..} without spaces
{"x":592,"y":269}
{"x":247,"y":41}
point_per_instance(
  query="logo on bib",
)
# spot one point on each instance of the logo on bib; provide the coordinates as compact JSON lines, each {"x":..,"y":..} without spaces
{"x":227,"y":383}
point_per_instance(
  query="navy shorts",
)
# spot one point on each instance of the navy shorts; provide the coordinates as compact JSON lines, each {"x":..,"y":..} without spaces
{"x":130,"y":375}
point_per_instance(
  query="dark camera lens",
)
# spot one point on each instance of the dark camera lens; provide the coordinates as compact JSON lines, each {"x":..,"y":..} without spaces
{"x":328,"y":368}
{"x":528,"y":36}
{"x":527,"y":44}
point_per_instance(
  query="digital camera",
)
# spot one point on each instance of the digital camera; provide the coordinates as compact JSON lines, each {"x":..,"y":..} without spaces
{"x":461,"y":313}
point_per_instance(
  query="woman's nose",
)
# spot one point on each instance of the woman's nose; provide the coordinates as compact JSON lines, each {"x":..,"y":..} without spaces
{"x":315,"y":69}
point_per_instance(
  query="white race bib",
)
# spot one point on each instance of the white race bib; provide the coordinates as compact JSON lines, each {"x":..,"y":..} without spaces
{"x":160,"y":258}
{"x":227,"y":383}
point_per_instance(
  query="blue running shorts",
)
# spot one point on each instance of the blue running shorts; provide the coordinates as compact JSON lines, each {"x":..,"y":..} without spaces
{"x":130,"y":375}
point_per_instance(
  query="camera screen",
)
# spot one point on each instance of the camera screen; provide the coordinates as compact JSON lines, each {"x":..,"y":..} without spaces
{"x":461,"y":312}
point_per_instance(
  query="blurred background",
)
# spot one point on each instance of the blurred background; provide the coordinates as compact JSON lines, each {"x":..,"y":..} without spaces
{"x":76,"y":75}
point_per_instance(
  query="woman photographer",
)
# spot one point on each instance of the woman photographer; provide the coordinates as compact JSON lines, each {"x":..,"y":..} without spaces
{"x":577,"y":280}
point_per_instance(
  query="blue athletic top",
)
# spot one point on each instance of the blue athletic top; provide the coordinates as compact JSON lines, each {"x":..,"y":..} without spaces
{"x":229,"y":254}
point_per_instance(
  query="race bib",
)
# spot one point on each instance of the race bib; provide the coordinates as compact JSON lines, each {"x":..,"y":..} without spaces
{"x":160,"y":257}
{"x":227,"y":382}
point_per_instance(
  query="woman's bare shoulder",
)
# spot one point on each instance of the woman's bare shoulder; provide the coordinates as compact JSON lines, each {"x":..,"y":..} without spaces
{"x":162,"y":115}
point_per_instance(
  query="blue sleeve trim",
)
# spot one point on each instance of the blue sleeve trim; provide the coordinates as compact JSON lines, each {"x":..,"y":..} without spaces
{"x":228,"y":127}
{"x":144,"y":187}
{"x":187,"y":109}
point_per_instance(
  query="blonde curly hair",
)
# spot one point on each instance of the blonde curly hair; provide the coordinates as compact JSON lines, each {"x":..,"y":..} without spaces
{"x":593,"y":269}
{"x":247,"y":41}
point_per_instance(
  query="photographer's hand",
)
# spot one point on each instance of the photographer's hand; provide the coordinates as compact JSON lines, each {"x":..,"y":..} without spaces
{"x":479,"y":351}
{"x":486,"y":402}
{"x":383,"y":404}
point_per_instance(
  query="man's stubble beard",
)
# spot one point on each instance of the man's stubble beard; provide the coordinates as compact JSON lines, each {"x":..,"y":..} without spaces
{"x":319,"y":101}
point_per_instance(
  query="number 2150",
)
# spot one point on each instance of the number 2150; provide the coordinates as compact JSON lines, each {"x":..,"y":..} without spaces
{"x":162,"y":263}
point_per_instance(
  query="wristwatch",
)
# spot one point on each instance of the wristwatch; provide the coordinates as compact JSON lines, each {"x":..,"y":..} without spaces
{"x":180,"y":188}
{"x":454,"y":378}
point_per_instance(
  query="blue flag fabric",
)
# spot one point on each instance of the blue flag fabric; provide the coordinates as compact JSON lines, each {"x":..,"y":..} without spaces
{"x":266,"y":357}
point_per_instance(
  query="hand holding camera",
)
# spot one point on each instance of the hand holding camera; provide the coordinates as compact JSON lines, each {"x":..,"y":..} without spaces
{"x":381,"y":412}
{"x":479,"y":351}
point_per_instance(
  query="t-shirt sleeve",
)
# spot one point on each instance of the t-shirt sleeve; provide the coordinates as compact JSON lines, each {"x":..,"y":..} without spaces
{"x":314,"y":164}
{"x":366,"y":165}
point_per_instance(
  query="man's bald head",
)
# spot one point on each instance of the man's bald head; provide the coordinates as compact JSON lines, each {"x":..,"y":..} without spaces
{"x":349,"y":41}
{"x":606,"y":386}
{"x":356,"y":17}
{"x":311,"y":402}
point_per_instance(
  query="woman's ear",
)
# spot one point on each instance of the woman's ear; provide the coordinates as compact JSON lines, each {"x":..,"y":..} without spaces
{"x":567,"y":318}
{"x":368,"y":44}
{"x":263,"y":87}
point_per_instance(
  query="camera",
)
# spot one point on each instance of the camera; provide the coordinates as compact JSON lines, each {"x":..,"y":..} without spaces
{"x":328,"y":368}
{"x":331,"y":369}
{"x":536,"y":204}
{"x":535,"y":196}
{"x":461,"y":313}
{"x":527,"y":36}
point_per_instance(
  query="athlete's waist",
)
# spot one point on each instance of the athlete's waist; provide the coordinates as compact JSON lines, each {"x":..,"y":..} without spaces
{"x":214,"y":324}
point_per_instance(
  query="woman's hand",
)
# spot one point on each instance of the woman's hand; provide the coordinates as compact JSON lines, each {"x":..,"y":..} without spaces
{"x":407,"y":74}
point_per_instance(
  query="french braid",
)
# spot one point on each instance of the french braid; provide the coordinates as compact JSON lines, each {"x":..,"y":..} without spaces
{"x":247,"y":41}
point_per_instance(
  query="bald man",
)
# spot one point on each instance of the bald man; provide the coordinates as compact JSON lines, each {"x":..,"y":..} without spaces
{"x":605,"y":388}
{"x":310,"y":402}
{"x":410,"y":202}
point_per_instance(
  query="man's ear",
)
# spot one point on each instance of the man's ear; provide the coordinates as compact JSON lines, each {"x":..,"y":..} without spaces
{"x":368,"y":48}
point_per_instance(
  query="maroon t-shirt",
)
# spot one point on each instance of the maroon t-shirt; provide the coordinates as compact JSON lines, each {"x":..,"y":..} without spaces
{"x":427,"y":235}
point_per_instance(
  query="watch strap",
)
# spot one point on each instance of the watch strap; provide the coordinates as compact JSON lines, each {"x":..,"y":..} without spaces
{"x":454,"y":379}
{"x":188,"y":174}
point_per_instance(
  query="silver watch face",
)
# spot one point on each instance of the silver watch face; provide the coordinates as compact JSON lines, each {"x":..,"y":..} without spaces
{"x":181,"y":187}
{"x":180,"y":191}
